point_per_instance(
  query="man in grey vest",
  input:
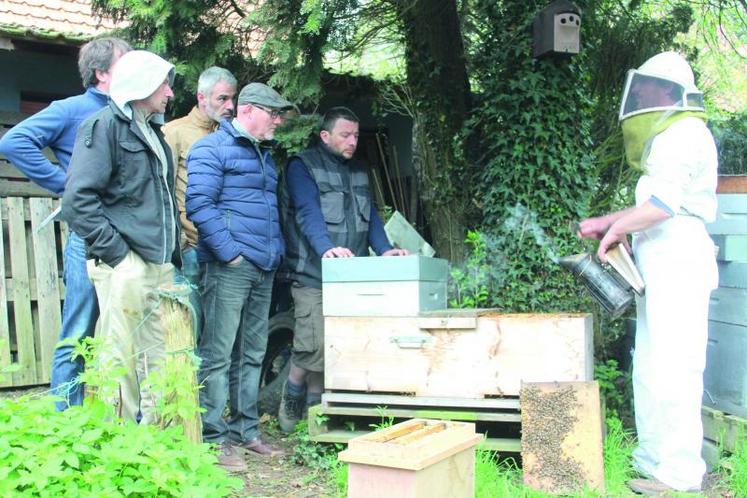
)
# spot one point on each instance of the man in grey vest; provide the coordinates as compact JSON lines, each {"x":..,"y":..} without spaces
{"x":328,"y":213}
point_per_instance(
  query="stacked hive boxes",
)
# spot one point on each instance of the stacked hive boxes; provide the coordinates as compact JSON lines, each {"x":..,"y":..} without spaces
{"x":725,"y":378}
{"x":387,"y":331}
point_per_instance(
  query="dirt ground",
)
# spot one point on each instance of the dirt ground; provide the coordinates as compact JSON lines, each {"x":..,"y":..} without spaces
{"x":282,"y":477}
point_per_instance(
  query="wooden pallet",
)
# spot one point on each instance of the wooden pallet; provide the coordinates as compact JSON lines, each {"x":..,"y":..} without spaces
{"x":343,"y":416}
{"x":723,"y":429}
{"x":31,"y":288}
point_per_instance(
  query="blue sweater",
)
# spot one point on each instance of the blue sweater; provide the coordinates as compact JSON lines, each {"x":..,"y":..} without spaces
{"x":54,"y":127}
{"x":231,"y":198}
{"x":304,"y":196}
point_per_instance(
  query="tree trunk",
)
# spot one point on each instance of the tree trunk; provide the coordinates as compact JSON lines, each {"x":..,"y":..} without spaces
{"x":437,"y":77}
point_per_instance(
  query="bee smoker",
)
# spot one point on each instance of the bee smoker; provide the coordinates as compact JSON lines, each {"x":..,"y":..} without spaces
{"x":604,"y":285}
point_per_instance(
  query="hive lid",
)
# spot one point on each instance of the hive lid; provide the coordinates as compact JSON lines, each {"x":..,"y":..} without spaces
{"x":384,"y":269}
{"x":412,"y":445}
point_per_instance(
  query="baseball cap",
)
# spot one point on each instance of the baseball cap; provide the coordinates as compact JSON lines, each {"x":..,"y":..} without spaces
{"x":259,"y":93}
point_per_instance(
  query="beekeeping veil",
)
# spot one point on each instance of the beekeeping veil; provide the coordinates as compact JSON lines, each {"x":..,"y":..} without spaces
{"x":659,"y":93}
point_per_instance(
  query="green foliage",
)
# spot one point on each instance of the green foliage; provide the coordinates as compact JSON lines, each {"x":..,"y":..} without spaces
{"x":174,"y":388}
{"x":618,"y":450}
{"x":730,"y":133}
{"x":295,"y":135}
{"x":386,"y":419}
{"x":312,"y":454}
{"x":470,"y":285}
{"x":532,"y":134}
{"x":734,"y":467}
{"x":193,"y":35}
{"x":83,"y":452}
{"x":614,"y":387}
{"x":100,"y":376}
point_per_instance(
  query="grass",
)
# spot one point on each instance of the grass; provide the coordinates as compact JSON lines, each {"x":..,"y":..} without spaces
{"x":734,"y":468}
{"x":502,"y":477}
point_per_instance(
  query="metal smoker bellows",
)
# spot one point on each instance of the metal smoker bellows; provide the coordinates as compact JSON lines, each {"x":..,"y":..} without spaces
{"x":614,"y":295}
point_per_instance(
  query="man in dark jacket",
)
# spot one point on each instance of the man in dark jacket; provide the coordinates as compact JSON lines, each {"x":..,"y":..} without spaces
{"x":231,"y":199}
{"x":55,"y":127}
{"x":328,"y":213}
{"x":119,"y":197}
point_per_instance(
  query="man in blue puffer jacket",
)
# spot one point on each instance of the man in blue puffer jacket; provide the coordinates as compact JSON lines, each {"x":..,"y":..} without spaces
{"x":231,"y":198}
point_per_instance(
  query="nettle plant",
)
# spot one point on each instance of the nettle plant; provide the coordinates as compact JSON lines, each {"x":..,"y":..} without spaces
{"x":87,"y":451}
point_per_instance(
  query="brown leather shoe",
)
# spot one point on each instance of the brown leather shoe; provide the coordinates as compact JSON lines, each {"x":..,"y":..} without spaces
{"x":653,"y":487}
{"x":258,"y":447}
{"x":230,"y":459}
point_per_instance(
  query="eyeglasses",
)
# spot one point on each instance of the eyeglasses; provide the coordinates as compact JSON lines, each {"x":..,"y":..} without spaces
{"x":274,"y":113}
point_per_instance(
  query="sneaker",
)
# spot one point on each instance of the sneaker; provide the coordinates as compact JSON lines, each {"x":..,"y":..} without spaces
{"x":229,"y":459}
{"x":653,"y":487}
{"x":258,"y":447}
{"x":291,"y":410}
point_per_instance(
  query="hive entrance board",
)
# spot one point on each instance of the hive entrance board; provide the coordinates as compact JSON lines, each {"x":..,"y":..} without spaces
{"x":561,"y":441}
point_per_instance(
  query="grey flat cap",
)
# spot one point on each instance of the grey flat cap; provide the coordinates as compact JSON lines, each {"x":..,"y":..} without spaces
{"x":259,"y":93}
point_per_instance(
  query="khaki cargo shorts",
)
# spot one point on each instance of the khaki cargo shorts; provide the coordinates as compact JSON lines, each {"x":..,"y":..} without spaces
{"x":308,"y":336}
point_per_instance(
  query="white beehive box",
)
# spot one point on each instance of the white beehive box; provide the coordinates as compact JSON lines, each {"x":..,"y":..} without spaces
{"x":383,"y":286}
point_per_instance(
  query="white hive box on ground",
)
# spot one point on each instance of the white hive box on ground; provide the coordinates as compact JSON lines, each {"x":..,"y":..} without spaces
{"x":383,"y":286}
{"x":456,"y":353}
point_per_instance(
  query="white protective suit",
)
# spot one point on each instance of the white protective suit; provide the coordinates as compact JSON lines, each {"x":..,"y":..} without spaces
{"x":677,"y":261}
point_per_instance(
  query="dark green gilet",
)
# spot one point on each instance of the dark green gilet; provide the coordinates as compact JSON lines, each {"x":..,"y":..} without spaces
{"x":346,"y":207}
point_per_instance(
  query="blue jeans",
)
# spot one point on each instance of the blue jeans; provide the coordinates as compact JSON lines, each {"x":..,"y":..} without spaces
{"x":79,"y":315}
{"x":235,"y":303}
{"x":190,"y":274}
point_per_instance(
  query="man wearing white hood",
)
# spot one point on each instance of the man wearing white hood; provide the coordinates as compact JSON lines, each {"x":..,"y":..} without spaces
{"x":119,"y":196}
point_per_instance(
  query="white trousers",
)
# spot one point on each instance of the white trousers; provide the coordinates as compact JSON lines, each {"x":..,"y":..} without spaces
{"x":678,"y":265}
{"x":130,"y":326}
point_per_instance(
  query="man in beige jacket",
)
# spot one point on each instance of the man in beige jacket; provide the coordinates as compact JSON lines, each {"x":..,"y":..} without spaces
{"x":216,"y":91}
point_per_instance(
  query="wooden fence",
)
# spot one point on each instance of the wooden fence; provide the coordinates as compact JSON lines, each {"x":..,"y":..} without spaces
{"x":31,"y":288}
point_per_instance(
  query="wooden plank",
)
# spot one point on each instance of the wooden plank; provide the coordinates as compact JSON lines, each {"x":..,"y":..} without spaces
{"x":47,"y":287}
{"x":9,"y":188}
{"x":711,"y":453}
{"x":7,"y":170}
{"x":372,"y":399}
{"x":722,"y":428}
{"x":397,"y":431}
{"x":9,"y":285}
{"x":367,"y":354}
{"x":4,"y":324}
{"x":443,"y":414}
{"x":732,"y":184}
{"x":24,"y":327}
{"x":561,"y":437}
{"x":12,"y":118}
{"x":342,"y":436}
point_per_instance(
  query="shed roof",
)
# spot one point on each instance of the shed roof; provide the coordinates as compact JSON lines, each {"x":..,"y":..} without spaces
{"x":63,"y":20}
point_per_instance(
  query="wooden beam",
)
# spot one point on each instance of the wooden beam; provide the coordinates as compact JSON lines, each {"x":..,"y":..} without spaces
{"x":21,"y":293}
{"x":47,"y":282}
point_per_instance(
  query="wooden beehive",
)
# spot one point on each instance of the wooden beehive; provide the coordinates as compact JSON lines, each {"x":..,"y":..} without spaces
{"x":419,"y":458}
{"x":456,"y":353}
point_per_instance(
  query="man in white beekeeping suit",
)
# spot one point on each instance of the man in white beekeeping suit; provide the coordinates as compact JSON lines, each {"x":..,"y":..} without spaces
{"x":667,"y":140}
